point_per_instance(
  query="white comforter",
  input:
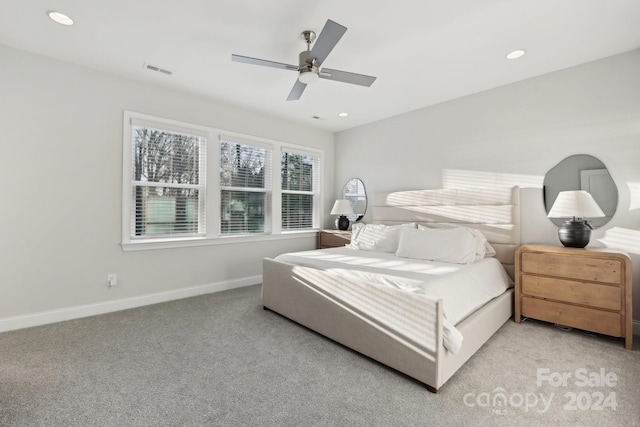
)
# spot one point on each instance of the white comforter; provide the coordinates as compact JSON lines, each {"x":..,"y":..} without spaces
{"x":462,"y":288}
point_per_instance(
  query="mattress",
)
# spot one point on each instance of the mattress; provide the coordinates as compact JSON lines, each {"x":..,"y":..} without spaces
{"x":462,"y":288}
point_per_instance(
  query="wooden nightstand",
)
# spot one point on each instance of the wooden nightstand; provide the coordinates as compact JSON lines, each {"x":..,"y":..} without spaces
{"x":333,"y":238}
{"x":587,"y":289}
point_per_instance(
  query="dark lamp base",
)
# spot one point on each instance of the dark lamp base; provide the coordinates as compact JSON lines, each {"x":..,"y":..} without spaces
{"x":574,"y":234}
{"x":343,"y":223}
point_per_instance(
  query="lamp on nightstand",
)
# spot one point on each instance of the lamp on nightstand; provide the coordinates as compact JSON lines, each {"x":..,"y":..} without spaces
{"x":578,"y":205}
{"x":342,"y":207}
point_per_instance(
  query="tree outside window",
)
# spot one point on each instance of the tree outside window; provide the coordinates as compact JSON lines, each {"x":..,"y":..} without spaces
{"x":245,"y":183}
{"x":167,"y":177}
{"x":298,"y":190}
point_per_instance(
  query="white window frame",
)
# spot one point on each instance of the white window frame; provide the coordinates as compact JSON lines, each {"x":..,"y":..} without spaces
{"x":267,"y":190}
{"x":212,"y":207}
{"x":316,"y":185}
{"x":132,"y":120}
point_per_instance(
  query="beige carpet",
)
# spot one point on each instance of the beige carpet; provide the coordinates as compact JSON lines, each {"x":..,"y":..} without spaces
{"x":220,"y":359}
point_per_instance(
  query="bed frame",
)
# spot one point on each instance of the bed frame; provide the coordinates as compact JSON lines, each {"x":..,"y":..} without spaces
{"x":293,"y":291}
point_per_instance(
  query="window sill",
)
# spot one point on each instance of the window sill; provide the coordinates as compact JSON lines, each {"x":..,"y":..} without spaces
{"x":205,"y":241}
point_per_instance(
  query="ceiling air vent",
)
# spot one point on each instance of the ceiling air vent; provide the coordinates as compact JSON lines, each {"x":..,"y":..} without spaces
{"x":158,"y":69}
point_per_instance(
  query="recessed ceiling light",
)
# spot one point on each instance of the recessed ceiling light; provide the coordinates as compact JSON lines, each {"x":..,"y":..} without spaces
{"x":60,"y":18}
{"x":343,"y":114}
{"x":515,"y":54}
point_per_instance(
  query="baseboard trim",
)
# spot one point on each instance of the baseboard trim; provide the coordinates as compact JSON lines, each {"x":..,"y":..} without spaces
{"x":76,"y":312}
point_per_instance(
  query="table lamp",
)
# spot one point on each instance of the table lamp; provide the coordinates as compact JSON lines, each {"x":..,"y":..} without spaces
{"x":342,"y":207}
{"x":578,"y":205}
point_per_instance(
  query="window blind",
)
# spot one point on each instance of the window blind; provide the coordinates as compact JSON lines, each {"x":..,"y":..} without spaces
{"x":168,"y":178}
{"x":300,"y":189}
{"x":245,"y":184}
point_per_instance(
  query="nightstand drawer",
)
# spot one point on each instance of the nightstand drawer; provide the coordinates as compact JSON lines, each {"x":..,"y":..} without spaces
{"x":604,"y":322}
{"x":333,"y":238}
{"x":584,"y":293}
{"x":586,"y":288}
{"x":604,"y":270}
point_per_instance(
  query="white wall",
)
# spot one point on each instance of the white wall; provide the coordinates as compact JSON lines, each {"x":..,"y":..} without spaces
{"x":513,"y":135}
{"x":61,"y":174}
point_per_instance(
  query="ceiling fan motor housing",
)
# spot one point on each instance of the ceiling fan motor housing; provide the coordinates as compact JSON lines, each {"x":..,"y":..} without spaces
{"x":309,"y":73}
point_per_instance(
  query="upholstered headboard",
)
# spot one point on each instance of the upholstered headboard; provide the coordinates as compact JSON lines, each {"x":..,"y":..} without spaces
{"x":495,"y":211}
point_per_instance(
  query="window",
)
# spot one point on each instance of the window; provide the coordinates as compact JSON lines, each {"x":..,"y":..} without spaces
{"x":245,"y":188}
{"x":189,"y":185}
{"x":300,"y":189}
{"x":167,"y":182}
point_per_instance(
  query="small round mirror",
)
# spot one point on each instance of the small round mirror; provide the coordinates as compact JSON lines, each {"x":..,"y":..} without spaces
{"x":356,"y":194}
{"x":582,"y":172}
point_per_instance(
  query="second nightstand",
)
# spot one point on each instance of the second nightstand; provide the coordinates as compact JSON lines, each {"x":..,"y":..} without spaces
{"x":587,"y":289}
{"x":333,"y":238}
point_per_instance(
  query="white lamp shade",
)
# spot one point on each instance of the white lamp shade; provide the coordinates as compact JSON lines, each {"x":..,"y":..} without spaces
{"x":342,"y":207}
{"x":579,"y":204}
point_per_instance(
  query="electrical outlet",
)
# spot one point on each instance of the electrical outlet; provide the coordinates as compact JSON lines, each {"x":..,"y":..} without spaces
{"x":112,"y":279}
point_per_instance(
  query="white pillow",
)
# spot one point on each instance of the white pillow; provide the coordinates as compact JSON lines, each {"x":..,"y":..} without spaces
{"x":454,"y":245}
{"x":377,"y":237}
{"x":483,"y":247}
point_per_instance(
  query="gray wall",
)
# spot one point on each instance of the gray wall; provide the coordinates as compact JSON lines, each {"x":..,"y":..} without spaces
{"x":61,"y":174}
{"x":513,"y":135}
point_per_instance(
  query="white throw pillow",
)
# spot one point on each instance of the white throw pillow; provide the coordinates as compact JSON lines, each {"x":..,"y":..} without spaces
{"x":483,"y":247}
{"x":377,"y":237}
{"x":454,"y":245}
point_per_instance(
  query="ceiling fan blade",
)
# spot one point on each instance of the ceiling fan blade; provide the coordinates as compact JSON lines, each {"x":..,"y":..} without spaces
{"x":346,"y":77}
{"x":296,"y":91}
{"x":263,"y":62}
{"x":329,"y":36}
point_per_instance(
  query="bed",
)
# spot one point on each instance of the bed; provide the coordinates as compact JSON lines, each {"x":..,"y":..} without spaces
{"x":380,"y":305}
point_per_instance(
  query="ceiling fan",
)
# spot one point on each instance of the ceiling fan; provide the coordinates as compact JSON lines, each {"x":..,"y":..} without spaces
{"x":310,"y":60}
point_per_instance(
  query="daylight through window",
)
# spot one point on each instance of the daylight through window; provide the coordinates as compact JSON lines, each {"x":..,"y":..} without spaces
{"x":245,"y":184}
{"x":190,"y":185}
{"x":167,"y":183}
{"x":300,"y":190}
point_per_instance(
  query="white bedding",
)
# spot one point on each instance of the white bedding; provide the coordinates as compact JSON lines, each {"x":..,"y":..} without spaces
{"x":463,"y":288}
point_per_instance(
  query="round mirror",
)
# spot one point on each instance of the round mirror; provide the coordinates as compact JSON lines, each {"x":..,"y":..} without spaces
{"x":582,"y":172}
{"x":356,"y":194}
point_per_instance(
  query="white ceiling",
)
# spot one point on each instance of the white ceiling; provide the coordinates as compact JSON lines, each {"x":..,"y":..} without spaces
{"x":423,"y":52}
